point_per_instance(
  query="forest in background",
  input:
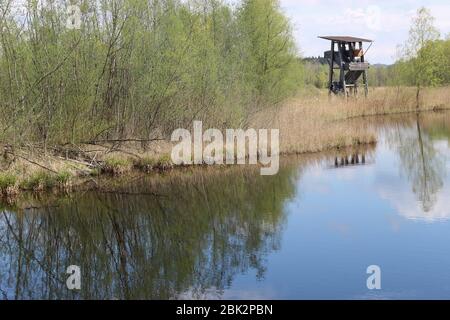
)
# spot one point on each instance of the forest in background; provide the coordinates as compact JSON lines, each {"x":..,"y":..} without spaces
{"x":139,"y":68}
{"x":423,"y":60}
{"x":399,"y":73}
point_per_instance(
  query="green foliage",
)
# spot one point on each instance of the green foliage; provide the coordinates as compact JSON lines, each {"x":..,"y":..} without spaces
{"x":316,"y":73}
{"x":270,"y":64}
{"x":116,"y":166}
{"x":421,"y":54}
{"x":63,"y":177}
{"x":7,"y":180}
{"x":424,"y":58}
{"x":95,"y":172}
{"x":39,"y":180}
{"x":116,"y":162}
{"x":148,"y":164}
{"x":140,"y":68}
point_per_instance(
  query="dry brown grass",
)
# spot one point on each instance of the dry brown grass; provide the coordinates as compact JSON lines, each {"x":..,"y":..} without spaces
{"x":317,"y":123}
{"x":308,"y":123}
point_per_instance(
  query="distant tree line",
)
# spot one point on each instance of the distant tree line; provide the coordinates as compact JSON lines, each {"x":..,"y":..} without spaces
{"x":139,"y":68}
{"x":423,"y":60}
{"x":436,"y":53}
{"x":316,"y":71}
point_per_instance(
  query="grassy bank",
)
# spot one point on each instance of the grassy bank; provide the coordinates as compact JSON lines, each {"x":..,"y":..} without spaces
{"x":314,"y":122}
{"x":307,"y":124}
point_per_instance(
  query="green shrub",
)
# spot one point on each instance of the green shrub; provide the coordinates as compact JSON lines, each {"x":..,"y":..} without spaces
{"x":7,"y":182}
{"x":63,"y":177}
{"x":95,"y":172}
{"x":39,"y":180}
{"x":116,"y":166}
{"x":148,"y":164}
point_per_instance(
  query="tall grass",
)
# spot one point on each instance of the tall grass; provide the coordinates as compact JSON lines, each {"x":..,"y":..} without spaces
{"x":311,"y":123}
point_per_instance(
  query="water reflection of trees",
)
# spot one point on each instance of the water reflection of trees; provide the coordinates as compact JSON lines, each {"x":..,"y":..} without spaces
{"x":421,"y":162}
{"x":195,"y":235}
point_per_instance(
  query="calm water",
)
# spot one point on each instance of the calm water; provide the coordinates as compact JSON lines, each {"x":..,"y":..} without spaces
{"x":309,"y":232}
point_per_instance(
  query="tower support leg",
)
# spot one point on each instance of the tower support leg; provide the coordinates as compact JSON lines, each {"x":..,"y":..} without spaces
{"x":366,"y":86}
{"x":342,"y":71}
{"x":330,"y":80}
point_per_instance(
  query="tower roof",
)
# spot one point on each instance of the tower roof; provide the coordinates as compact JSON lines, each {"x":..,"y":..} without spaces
{"x":345,"y":39}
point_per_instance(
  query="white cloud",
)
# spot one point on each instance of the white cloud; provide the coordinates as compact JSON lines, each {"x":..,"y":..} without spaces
{"x":312,"y":18}
{"x":407,"y":206}
{"x":398,"y":192}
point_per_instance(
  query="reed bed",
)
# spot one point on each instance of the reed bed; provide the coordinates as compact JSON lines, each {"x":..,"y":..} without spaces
{"x":307,"y":123}
{"x":312,"y":124}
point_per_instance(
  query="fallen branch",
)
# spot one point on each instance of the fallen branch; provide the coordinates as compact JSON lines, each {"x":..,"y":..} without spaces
{"x":77,"y":161}
{"x":94,"y":142}
{"x":32,"y":162}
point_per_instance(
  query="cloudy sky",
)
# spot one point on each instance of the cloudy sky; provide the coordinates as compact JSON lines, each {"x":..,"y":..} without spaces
{"x":385,"y":21}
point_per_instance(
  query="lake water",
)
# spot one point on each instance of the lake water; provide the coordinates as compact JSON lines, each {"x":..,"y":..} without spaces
{"x":309,"y":232}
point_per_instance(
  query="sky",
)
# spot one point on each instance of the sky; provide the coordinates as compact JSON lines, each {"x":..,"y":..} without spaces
{"x":385,"y":22}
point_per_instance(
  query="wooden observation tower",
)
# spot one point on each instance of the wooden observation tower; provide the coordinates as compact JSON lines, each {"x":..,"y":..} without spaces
{"x":347,"y":56}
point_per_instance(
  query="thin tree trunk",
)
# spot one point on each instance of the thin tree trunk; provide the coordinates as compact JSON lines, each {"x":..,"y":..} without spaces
{"x":418,"y":98}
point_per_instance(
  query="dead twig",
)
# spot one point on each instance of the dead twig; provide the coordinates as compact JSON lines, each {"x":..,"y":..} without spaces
{"x":33,"y":162}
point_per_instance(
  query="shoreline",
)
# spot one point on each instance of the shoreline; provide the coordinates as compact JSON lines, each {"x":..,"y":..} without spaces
{"x":156,"y":181}
{"x":320,"y":131}
{"x":56,"y":182}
